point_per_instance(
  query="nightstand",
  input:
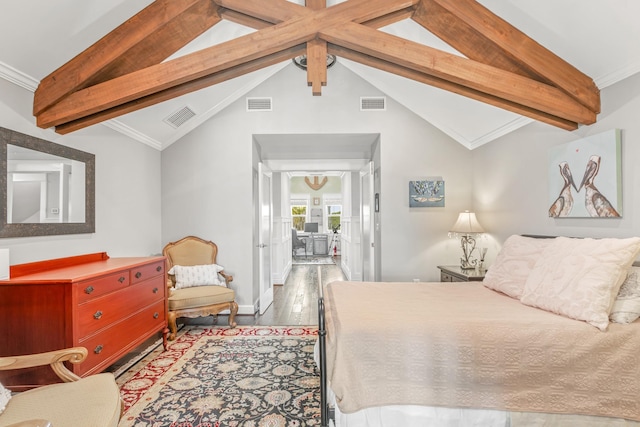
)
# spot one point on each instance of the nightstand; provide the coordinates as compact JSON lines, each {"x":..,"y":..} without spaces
{"x":454,"y":273}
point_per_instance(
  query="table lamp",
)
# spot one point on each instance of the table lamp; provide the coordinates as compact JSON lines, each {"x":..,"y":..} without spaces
{"x":467,"y":225}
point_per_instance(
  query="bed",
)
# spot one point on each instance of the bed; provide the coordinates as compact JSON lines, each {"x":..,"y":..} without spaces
{"x":519,"y":349}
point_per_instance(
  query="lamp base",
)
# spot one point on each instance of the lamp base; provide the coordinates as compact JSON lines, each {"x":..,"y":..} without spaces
{"x":468,"y":244}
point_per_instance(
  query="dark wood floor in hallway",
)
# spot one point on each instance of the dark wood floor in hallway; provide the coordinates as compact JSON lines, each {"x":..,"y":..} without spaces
{"x":296,"y":302}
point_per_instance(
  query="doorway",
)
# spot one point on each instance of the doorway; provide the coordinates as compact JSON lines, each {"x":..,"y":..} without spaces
{"x":316,"y":154}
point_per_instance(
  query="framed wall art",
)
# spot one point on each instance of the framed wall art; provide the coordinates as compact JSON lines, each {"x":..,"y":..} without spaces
{"x":426,"y":193}
{"x":585,"y":177}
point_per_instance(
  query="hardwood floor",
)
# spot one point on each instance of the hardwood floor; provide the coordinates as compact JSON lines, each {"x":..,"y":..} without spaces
{"x":296,"y":302}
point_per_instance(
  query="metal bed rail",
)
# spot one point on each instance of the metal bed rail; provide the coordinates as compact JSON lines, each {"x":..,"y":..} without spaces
{"x":326,"y":413}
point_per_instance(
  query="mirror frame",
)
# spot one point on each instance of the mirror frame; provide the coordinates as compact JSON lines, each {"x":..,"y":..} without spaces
{"x":7,"y":230}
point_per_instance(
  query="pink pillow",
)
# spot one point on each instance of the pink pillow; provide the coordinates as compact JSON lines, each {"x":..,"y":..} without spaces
{"x":580,"y":278}
{"x":508,"y":274}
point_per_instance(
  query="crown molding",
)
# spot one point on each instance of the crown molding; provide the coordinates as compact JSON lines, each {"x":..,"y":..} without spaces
{"x":616,"y":76}
{"x":17,"y":77}
{"x":132,"y":133}
{"x":499,"y":132}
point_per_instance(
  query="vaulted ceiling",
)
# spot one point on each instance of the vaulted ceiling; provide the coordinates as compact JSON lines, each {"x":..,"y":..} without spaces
{"x":466,"y":52}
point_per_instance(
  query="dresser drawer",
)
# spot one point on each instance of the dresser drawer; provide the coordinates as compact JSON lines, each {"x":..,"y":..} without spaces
{"x":147,"y":271}
{"x":116,"y":339}
{"x":101,"y":312}
{"x":91,"y":289}
{"x":445,"y":277}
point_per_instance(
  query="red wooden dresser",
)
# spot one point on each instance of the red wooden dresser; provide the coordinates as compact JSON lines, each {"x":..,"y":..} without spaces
{"x":108,"y":305}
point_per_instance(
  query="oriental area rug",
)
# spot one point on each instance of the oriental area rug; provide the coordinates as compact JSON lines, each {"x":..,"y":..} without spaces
{"x":218,"y":377}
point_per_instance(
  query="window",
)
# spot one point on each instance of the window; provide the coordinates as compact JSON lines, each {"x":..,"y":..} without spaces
{"x":334,"y":213}
{"x":298,"y":216}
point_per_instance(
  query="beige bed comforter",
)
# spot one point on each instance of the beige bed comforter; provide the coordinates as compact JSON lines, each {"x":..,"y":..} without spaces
{"x":463,"y":345}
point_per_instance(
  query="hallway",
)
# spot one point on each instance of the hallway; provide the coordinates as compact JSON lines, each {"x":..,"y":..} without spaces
{"x":296,"y":302}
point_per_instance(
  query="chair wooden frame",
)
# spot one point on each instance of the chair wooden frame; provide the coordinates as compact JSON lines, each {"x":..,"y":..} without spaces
{"x":205,"y":258}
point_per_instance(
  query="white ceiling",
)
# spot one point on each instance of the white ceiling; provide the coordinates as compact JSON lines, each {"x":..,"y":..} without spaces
{"x":600,"y":38}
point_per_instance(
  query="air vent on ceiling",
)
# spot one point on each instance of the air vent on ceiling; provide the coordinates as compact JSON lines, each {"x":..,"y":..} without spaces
{"x":259,"y":104}
{"x":373,"y":103}
{"x":178,"y":118}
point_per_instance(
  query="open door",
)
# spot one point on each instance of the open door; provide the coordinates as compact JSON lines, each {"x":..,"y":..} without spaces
{"x":264,"y":233}
{"x":367,"y":223}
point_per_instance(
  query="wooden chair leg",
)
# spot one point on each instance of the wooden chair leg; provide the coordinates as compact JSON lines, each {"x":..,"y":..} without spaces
{"x":171,"y":319}
{"x":233,"y":306}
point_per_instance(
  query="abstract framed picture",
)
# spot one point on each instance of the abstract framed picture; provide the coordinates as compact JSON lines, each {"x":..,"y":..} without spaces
{"x":585,"y":177}
{"x":426,"y":193}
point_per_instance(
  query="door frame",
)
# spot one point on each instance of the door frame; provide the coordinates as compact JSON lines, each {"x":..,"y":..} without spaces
{"x":265,"y":236}
{"x":367,"y":224}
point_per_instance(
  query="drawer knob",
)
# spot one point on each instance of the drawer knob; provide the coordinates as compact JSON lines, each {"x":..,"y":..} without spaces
{"x":155,"y":290}
{"x":138,"y":275}
{"x":156,"y":315}
{"x":98,"y":349}
{"x":159,"y":268}
{"x":88,"y":290}
{"x":121,"y":279}
{"x":97,"y":315}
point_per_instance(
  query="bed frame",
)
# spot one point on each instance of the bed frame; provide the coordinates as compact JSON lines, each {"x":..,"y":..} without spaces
{"x":326,"y":413}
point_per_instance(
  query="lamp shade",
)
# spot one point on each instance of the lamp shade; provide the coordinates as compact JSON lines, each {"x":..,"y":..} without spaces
{"x":467,"y":224}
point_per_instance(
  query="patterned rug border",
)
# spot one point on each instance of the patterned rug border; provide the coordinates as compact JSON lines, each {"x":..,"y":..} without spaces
{"x":183,"y":344}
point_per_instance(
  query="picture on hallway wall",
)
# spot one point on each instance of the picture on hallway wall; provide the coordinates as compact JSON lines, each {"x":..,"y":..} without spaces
{"x":426,"y":193}
{"x":585,"y":177}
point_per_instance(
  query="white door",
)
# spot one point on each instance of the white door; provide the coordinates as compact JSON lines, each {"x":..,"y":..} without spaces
{"x":264,"y":233}
{"x":367,"y":224}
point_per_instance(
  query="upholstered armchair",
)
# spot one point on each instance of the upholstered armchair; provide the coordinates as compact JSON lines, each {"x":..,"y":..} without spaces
{"x":197,"y":285}
{"x":90,"y":401}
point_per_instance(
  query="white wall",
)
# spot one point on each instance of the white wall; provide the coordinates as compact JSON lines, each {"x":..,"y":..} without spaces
{"x":510,"y":174}
{"x":127,"y":189}
{"x":207,"y":175}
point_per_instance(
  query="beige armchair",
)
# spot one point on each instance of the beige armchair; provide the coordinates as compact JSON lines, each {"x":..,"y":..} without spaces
{"x":196,"y":300}
{"x":90,"y":401}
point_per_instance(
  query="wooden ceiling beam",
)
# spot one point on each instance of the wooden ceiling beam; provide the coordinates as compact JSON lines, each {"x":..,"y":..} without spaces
{"x":462,"y":71}
{"x":242,"y":19}
{"x":316,"y":56}
{"x":476,"y":32}
{"x":180,"y":90}
{"x":316,"y":65}
{"x":146,"y":39}
{"x":390,"y":18}
{"x":124,"y":72}
{"x":267,"y":41}
{"x":359,"y":11}
{"x":273,"y":11}
{"x":451,"y":87}
{"x":258,"y":24}
{"x":465,"y":39}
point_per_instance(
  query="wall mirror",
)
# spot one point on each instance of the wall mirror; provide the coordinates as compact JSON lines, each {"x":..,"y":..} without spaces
{"x":46,"y":188}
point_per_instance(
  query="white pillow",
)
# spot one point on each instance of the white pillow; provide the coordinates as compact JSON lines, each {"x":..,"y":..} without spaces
{"x":196,"y":275}
{"x":626,"y":308}
{"x":5,"y":395}
{"x":514,"y":262}
{"x":580,"y":278}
